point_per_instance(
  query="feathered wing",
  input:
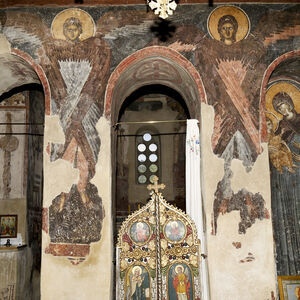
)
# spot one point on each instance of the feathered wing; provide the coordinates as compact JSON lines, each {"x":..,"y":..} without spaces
{"x":185,"y":38}
{"x":127,"y":23}
{"x":277,"y":25}
{"x":173,"y":273}
{"x":24,"y":30}
{"x":186,"y":273}
{"x":123,"y":23}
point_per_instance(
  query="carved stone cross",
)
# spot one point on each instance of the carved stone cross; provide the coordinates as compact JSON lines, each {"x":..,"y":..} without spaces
{"x":155,"y":186}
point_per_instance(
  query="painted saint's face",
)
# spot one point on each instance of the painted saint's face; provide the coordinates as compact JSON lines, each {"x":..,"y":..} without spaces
{"x":179,"y":269}
{"x":269,"y":125}
{"x":284,"y":109}
{"x":137,"y":272}
{"x":72,"y":32}
{"x":227,"y":31}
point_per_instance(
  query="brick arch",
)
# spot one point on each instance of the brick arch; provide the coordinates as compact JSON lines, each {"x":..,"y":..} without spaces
{"x":41,"y":75}
{"x":263,"y":91}
{"x":159,"y":55}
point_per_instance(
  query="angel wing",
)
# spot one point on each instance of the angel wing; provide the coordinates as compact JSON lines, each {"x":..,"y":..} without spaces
{"x":127,"y":23}
{"x":24,"y":30}
{"x":186,"y":273}
{"x":124,"y":23}
{"x":173,"y":274}
{"x":277,"y":25}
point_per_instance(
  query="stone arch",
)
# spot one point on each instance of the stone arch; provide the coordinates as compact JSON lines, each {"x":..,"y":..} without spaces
{"x":154,"y":65}
{"x":40,"y":75}
{"x":21,"y":74}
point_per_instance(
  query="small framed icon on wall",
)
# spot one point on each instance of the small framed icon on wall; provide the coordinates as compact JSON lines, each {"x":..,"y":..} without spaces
{"x":8,"y":226}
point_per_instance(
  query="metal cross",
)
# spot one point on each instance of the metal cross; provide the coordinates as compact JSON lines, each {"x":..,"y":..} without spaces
{"x":155,"y":186}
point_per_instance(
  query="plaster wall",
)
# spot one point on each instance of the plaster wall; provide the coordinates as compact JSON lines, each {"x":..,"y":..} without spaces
{"x":8,"y":278}
{"x":15,"y":274}
{"x":232,"y":269}
{"x":91,"y":279}
{"x":4,"y":44}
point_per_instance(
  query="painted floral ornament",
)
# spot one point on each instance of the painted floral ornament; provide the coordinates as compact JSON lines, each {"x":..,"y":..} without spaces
{"x":163,"y":8}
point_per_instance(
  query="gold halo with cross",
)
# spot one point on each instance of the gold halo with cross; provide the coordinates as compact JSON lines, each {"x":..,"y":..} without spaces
{"x":240,"y":16}
{"x":286,"y":87}
{"x":87,"y":23}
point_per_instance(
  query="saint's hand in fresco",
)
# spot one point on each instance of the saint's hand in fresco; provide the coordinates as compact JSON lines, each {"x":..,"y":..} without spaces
{"x":279,"y":153}
{"x":181,"y":282}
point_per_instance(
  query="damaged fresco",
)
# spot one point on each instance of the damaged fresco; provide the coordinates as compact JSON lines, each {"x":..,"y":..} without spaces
{"x":250,"y":206}
{"x":283,"y":129}
{"x":230,"y":57}
{"x":12,"y":147}
{"x":77,"y":64}
{"x":78,"y":49}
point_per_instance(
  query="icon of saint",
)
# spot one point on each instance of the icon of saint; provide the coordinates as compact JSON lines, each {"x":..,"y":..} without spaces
{"x":181,"y":282}
{"x":141,"y":233}
{"x":136,"y":289}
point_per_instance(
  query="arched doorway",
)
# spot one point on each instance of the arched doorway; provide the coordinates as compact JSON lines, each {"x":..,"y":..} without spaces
{"x":158,"y":69}
{"x":23,"y":91}
{"x":150,"y":142}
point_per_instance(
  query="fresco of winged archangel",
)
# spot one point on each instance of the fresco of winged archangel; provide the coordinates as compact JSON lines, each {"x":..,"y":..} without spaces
{"x":231,"y":60}
{"x":76,"y":62}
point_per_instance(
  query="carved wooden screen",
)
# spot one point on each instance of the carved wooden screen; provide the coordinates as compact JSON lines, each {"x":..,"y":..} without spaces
{"x":158,"y":253}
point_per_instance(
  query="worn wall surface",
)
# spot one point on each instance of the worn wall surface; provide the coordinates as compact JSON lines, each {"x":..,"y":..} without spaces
{"x":92,"y":269}
{"x":15,"y":273}
{"x":228,"y":51}
{"x":232,"y":256}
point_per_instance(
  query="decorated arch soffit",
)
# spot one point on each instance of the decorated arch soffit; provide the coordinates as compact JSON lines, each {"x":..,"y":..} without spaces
{"x":154,"y":243}
{"x":152,"y":65}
